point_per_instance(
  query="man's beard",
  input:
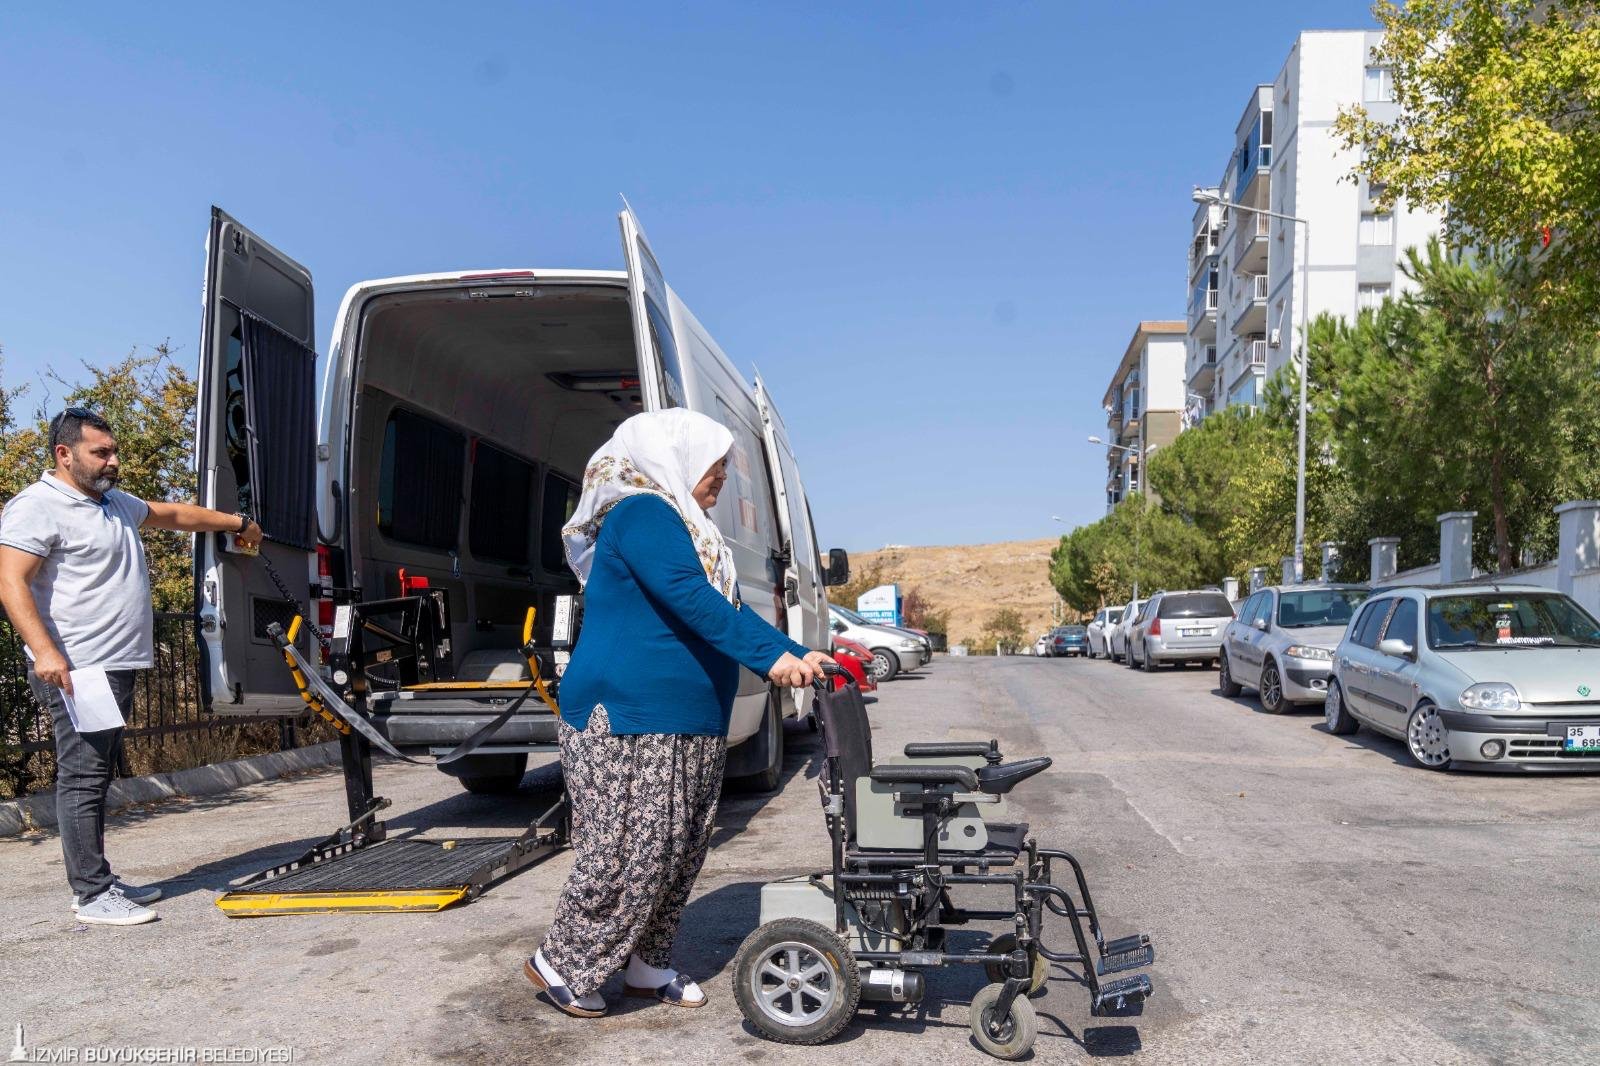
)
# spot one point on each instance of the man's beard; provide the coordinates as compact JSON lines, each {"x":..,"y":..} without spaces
{"x":102,"y":484}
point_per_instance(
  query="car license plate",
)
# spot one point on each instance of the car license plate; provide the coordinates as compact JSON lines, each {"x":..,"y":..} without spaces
{"x":1583,"y":738}
{"x":1202,"y":631}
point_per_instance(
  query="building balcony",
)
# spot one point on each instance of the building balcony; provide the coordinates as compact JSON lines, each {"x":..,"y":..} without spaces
{"x":1254,"y":352}
{"x":1203,"y":369}
{"x":1203,"y":309}
{"x":1251,"y":296}
{"x":1250,"y":243}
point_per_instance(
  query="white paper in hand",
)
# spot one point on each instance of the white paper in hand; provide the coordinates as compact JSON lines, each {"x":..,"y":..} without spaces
{"x":92,"y":705}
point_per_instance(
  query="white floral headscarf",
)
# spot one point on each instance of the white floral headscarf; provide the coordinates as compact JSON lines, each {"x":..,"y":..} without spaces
{"x":658,"y":453}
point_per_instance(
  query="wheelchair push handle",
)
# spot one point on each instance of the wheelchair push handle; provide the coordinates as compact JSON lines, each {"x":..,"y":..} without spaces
{"x":829,"y":670}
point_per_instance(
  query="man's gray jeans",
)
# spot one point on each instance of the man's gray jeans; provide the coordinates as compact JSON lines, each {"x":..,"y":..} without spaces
{"x":84,"y":763}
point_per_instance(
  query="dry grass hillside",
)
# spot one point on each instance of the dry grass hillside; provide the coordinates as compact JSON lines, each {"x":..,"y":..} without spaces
{"x":972,"y":581}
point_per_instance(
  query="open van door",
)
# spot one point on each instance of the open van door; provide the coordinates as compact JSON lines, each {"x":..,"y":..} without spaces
{"x":255,"y":452}
{"x":807,"y":610}
{"x":660,"y":370}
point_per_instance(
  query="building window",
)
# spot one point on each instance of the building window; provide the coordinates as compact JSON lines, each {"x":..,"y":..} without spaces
{"x":1369,"y":297}
{"x":1376,"y":228}
{"x":1379,"y":85}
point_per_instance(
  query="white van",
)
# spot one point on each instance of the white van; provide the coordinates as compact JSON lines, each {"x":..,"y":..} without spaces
{"x":448,"y":441}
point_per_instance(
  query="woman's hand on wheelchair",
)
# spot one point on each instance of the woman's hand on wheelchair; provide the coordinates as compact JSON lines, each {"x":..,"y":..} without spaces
{"x":792,"y":672}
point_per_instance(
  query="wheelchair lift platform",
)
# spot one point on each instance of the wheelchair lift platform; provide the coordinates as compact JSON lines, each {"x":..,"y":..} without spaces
{"x":357,"y":868}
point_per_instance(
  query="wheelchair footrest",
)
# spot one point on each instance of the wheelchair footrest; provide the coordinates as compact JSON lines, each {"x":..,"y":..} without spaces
{"x":1129,"y":953}
{"x":1117,"y":996}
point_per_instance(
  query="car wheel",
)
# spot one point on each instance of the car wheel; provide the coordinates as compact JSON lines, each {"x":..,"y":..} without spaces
{"x":1427,"y":738}
{"x":1225,"y":682}
{"x":1127,"y":656}
{"x":1271,"y":689}
{"x":493,"y":775}
{"x":1335,"y":715}
{"x":1149,"y":664}
{"x":885,"y":665}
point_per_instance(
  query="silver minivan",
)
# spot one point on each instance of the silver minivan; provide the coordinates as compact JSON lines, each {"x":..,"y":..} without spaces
{"x":1179,"y":627}
{"x":444,"y":450}
{"x":1281,"y":644}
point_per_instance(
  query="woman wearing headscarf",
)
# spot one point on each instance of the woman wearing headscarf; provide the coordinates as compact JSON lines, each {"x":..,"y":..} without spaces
{"x":645,"y":704}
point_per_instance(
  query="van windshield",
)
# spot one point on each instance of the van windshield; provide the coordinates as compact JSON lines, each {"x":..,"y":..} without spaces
{"x":1320,"y":607}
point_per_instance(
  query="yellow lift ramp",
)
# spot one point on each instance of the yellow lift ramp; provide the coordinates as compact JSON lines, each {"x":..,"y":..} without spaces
{"x":356,"y":868}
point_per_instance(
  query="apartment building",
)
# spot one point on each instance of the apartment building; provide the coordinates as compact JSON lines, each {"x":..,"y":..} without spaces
{"x":1144,"y":404}
{"x":1245,"y":278}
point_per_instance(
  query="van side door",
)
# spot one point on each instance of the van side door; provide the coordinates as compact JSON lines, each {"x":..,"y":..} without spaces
{"x":256,"y":453}
{"x":802,"y":584}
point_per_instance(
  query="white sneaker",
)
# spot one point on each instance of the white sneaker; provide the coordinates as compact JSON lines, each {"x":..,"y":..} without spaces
{"x":111,"y":907}
{"x":140,"y":894}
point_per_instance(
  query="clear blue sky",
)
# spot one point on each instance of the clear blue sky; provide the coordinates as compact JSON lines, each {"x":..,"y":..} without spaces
{"x":950,"y":215}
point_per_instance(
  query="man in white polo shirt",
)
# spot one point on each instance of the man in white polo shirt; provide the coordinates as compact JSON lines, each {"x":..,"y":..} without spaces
{"x":74,"y":584}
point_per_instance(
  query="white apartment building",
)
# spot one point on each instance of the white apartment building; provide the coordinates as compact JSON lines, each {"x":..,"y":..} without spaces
{"x":1144,"y":404}
{"x":1245,"y":277}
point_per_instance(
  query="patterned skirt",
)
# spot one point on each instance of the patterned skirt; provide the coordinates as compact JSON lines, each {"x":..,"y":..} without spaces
{"x":643,"y":810}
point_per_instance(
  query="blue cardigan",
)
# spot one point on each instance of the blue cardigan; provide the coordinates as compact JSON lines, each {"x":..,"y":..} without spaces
{"x":659,"y":647}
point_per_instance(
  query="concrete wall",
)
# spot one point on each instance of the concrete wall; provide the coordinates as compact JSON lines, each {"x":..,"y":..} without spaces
{"x":1163,"y":372}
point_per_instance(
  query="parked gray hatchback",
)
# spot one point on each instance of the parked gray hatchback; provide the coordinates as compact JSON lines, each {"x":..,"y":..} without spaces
{"x":1282,"y":643}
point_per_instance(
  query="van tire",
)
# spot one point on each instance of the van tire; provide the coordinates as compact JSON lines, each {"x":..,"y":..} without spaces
{"x":493,"y":775}
{"x":769,"y":779}
{"x":885,"y":665}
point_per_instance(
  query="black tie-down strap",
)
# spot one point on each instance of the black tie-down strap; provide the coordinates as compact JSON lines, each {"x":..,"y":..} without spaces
{"x":317,"y":692}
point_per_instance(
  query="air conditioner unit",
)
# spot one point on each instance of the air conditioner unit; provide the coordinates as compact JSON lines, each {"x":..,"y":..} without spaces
{"x":1272,"y":339}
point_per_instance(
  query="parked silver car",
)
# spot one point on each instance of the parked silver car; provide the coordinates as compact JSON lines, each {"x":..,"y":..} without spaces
{"x":1281,"y":644}
{"x":1099,"y":632}
{"x":1178,"y":627}
{"x":1503,"y":677}
{"x":893,"y":650}
{"x":1117,"y":642}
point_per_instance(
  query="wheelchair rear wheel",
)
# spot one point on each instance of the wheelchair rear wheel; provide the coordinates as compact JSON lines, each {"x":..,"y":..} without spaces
{"x":1005,"y":1038}
{"x":795,"y":981}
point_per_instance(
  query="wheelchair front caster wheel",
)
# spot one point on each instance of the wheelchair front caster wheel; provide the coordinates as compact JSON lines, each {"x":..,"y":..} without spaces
{"x":795,"y":981}
{"x":1005,"y":1038}
{"x":1005,"y":944}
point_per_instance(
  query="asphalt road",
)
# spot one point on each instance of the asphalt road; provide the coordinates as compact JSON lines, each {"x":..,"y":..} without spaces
{"x":1312,"y":898}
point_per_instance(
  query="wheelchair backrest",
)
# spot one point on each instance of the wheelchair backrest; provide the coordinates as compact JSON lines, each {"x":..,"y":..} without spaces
{"x":847,"y":738}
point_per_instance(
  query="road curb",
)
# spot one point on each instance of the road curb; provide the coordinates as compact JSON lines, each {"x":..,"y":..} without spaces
{"x":39,"y":812}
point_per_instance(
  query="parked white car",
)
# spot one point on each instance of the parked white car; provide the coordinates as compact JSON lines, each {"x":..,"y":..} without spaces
{"x":1500,"y":677}
{"x":1100,"y":632}
{"x":1118,"y":640}
{"x":1041,"y":647}
{"x":893,"y":650}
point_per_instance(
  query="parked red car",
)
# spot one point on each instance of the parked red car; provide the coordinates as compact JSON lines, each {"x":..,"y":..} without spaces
{"x":856,"y":658}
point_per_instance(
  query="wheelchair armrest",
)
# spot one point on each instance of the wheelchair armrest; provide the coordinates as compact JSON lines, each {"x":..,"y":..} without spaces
{"x":945,"y":749}
{"x":899,"y":774}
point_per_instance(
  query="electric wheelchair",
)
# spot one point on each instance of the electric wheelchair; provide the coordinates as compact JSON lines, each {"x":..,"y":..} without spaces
{"x":907,"y":835}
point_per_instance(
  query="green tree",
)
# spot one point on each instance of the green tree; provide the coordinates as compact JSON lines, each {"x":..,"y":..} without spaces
{"x":150,"y":402}
{"x":1460,"y":395}
{"x":1098,"y":563}
{"x":1005,"y":629}
{"x":1498,"y":126}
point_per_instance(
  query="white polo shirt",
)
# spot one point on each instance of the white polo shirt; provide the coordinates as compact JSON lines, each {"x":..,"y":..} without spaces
{"x":93,"y":590}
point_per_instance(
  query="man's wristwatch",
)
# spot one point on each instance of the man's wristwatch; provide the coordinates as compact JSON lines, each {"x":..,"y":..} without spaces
{"x":244,"y":522}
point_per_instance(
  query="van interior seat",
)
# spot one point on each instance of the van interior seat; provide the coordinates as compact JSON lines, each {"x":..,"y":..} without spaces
{"x":493,"y":664}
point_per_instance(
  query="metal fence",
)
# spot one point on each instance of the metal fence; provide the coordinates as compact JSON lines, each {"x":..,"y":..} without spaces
{"x":167,"y":729}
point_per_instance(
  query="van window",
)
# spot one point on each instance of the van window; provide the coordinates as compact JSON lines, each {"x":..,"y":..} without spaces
{"x":559,"y":505}
{"x":502,"y":499}
{"x":419,"y":481}
{"x":744,"y":511}
{"x":269,"y":417}
{"x":661,"y":338}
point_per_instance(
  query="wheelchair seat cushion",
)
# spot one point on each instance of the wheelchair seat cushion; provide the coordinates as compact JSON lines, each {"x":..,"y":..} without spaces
{"x":998,"y":780}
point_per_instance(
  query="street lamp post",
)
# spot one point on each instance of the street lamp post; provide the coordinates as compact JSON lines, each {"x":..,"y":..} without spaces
{"x":1138,"y":525}
{"x":1201,"y":196}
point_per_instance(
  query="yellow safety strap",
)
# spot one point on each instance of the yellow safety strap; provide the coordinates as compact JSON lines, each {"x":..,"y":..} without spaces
{"x":533,"y":663}
{"x":305,"y":689}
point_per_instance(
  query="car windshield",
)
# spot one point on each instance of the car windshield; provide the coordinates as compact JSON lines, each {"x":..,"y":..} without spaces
{"x":1318,"y":607}
{"x":848,"y":616}
{"x":1071,"y":631}
{"x":1195,"y":605}
{"x":1113,"y":617}
{"x":1510,"y":620}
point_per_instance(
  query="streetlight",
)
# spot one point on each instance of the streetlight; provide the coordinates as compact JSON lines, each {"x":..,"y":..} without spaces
{"x":1202,"y":196}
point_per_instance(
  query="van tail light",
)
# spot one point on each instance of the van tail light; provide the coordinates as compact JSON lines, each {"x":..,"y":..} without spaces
{"x":1155,"y":627}
{"x":324,"y":597}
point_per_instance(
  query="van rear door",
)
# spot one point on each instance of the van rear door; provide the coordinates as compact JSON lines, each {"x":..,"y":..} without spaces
{"x":802,"y":583}
{"x":255,"y":450}
{"x":660,"y":369}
